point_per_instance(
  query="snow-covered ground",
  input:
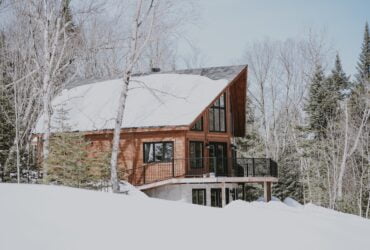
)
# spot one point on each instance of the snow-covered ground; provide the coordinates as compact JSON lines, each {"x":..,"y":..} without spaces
{"x":37,"y":217}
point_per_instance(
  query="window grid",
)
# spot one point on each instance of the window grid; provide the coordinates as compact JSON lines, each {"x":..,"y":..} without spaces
{"x":198,"y":125}
{"x":199,"y":197}
{"x":157,"y":151}
{"x":196,"y":154}
{"x":217,"y":115}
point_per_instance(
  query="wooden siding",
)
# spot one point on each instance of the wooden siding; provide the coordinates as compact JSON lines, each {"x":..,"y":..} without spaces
{"x":130,"y":162}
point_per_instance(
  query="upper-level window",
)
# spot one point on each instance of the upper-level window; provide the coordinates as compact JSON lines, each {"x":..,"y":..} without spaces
{"x":158,"y":152}
{"x":198,"y":125}
{"x":217,"y":115}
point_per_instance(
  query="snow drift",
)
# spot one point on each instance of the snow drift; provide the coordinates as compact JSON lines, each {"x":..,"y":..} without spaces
{"x":37,"y":217}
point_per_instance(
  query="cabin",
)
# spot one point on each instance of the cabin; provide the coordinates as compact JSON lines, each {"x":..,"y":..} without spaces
{"x":178,"y":133}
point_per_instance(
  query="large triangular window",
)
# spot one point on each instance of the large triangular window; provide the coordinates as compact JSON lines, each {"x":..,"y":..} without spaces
{"x":198,"y":125}
{"x":217,"y":115}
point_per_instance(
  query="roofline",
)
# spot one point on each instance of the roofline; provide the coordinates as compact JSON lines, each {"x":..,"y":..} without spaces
{"x":127,"y":130}
{"x":244,"y":70}
{"x":181,"y":70}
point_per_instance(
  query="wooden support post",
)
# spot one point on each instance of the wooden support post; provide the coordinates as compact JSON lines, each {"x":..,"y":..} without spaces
{"x":267,"y":191}
{"x":208,"y":196}
{"x":223,"y":194}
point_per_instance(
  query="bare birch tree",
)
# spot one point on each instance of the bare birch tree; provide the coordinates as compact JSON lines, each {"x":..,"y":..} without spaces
{"x":141,"y":31}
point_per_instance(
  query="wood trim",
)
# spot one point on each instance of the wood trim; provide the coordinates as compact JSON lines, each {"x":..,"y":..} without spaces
{"x":206,"y":180}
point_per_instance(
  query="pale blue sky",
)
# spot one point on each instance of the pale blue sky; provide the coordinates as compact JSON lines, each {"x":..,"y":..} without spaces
{"x":226,"y":26}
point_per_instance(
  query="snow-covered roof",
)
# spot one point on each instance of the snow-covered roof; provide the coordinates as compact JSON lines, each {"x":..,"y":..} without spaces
{"x":214,"y":73}
{"x":153,"y":100}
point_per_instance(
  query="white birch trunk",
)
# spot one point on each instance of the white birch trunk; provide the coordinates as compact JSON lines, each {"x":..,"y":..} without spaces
{"x":117,"y":135}
{"x":134,"y":54}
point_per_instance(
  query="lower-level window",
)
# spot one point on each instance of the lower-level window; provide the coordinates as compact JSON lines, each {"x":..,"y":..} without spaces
{"x":199,"y":196}
{"x":158,"y":152}
{"x":216,"y":197}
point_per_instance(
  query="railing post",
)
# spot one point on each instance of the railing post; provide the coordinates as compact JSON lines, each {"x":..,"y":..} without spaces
{"x":268,"y":166}
{"x":173,"y":167}
{"x":215,"y":166}
{"x":253,"y":167}
{"x":144,"y":179}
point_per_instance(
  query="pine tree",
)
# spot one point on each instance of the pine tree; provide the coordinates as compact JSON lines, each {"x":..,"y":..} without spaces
{"x":363,"y":65}
{"x":360,"y":95}
{"x":315,"y":107}
{"x":336,"y":88}
{"x":338,"y":80}
{"x":251,"y":145}
{"x":71,"y":162}
{"x":7,"y":132}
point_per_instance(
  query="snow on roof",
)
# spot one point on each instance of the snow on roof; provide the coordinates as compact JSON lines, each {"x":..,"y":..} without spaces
{"x":153,"y":100}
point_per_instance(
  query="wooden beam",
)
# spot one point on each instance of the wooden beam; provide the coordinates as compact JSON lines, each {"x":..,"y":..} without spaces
{"x":267,"y":191}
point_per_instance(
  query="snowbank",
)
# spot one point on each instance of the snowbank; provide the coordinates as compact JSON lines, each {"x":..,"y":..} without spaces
{"x":292,"y":203}
{"x":37,"y":217}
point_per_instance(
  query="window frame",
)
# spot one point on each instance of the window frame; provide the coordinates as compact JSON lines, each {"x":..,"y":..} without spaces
{"x":194,"y":128}
{"x":192,"y":158}
{"x":197,"y":191}
{"x":218,"y":107}
{"x":216,"y":197}
{"x":163,"y":144}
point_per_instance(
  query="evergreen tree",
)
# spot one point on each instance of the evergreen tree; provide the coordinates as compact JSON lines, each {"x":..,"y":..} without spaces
{"x":7,"y":132}
{"x":251,"y":145}
{"x":361,"y":93}
{"x":336,"y":88}
{"x":289,"y":184}
{"x":315,"y":107}
{"x":71,"y":162}
{"x":338,"y":81}
{"x":363,"y":65}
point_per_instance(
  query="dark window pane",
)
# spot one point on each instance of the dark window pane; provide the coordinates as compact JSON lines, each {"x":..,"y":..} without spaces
{"x":158,"y":151}
{"x":168,"y":151}
{"x":217,"y":120}
{"x":211,"y":120}
{"x":148,"y":152}
{"x":198,"y":125}
{"x":216,"y":199}
{"x":196,"y":154}
{"x":199,"y":196}
{"x":222,"y":100}
{"x":217,"y":103}
{"x":222,"y":120}
{"x":217,"y":115}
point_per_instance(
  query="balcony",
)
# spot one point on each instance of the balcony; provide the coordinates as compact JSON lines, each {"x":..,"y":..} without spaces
{"x":201,"y":167}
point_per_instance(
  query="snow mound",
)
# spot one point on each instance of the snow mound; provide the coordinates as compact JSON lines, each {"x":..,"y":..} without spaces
{"x":273,"y":198}
{"x":39,"y":217}
{"x":131,"y":190}
{"x":292,"y":203}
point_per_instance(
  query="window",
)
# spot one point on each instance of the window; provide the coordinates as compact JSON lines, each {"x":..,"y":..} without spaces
{"x":216,"y":197}
{"x":199,"y":196}
{"x":198,"y":125}
{"x":217,"y":115}
{"x":158,"y":152}
{"x":196,"y":154}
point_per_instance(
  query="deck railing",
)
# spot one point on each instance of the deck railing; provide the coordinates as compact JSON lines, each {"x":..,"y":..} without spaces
{"x":202,"y":167}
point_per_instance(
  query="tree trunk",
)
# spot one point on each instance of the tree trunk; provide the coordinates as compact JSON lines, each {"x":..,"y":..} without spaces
{"x":117,"y":133}
{"x":46,"y":125}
